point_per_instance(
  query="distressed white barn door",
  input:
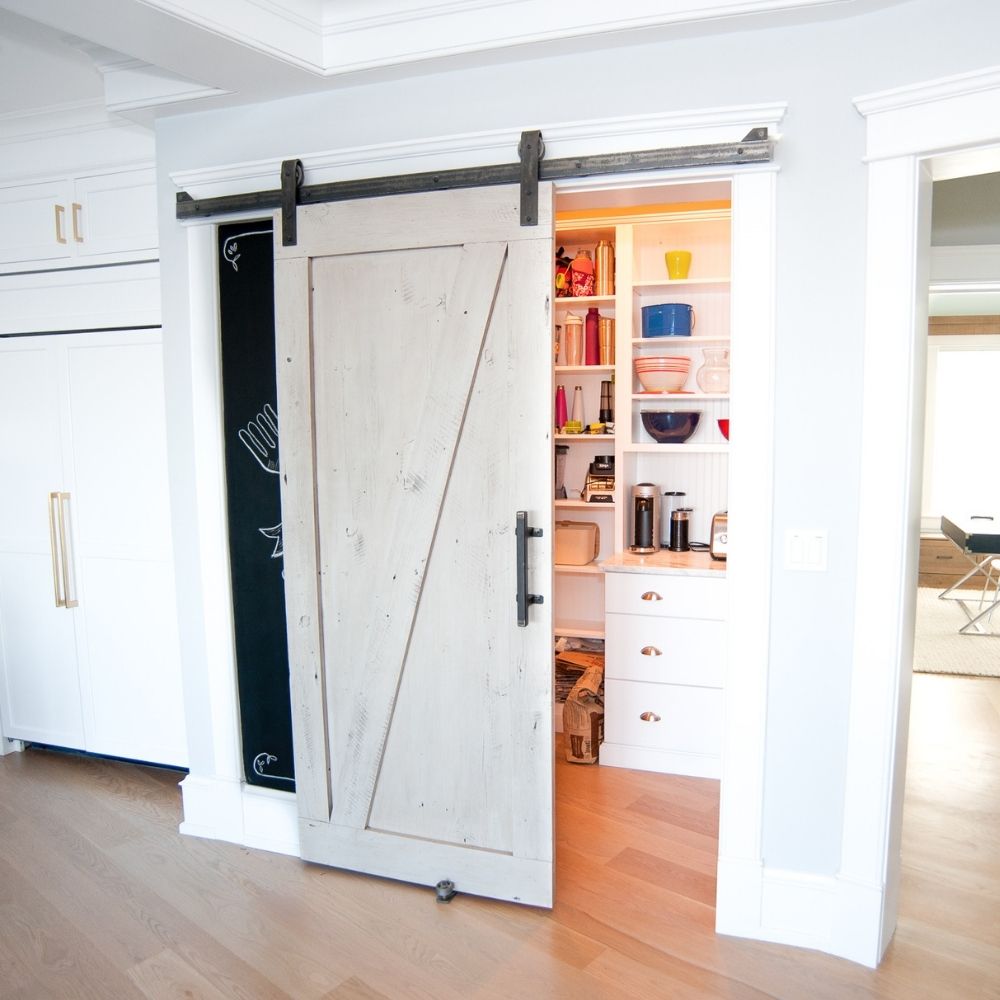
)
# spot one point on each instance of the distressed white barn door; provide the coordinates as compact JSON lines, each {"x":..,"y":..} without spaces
{"x":414,"y":359}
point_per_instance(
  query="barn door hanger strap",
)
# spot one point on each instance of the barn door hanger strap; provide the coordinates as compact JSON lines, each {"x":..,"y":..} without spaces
{"x":530,"y":149}
{"x":291,"y":184}
{"x":531,"y":168}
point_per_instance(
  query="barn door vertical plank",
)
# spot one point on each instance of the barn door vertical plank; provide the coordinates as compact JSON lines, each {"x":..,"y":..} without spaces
{"x":387,"y":595}
{"x":303,"y":614}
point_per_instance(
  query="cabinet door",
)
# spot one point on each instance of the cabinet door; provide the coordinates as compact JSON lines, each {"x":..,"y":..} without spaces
{"x":129,"y":655}
{"x":414,"y":367}
{"x":114,"y":213}
{"x":35,"y":223}
{"x":40,"y":693}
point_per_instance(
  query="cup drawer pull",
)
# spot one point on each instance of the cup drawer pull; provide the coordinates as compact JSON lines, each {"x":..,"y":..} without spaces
{"x":650,"y":651}
{"x":651,"y":595}
{"x":649,"y":717}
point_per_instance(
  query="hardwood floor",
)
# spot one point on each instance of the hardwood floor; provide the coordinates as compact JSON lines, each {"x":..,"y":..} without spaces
{"x":101,"y":897}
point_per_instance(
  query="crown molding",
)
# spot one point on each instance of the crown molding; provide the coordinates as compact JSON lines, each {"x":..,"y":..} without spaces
{"x":583,"y":138}
{"x":914,"y":95}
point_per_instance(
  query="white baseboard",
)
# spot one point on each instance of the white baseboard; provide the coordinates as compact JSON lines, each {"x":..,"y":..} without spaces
{"x":693,"y":765}
{"x":10,"y":746}
{"x":224,"y":809}
{"x":824,"y":913}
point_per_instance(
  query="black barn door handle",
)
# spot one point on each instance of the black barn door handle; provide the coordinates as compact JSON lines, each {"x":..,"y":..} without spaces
{"x":522,"y":533}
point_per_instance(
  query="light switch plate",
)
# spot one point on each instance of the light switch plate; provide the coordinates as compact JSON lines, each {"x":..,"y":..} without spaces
{"x":806,"y":549}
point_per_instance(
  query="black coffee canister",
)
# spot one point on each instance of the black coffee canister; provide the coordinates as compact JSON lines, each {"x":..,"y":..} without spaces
{"x":680,"y":520}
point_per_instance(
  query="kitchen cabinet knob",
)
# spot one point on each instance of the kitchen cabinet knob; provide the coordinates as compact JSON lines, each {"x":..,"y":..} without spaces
{"x":650,"y":651}
{"x":651,"y":595}
{"x":649,"y":717}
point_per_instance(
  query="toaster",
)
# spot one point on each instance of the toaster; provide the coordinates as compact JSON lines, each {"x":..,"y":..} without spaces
{"x":720,"y":535}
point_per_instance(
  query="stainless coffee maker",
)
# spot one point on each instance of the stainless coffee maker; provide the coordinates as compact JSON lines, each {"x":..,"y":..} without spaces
{"x":645,"y":518}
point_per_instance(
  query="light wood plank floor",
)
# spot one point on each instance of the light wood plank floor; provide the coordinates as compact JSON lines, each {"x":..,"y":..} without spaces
{"x":100,"y":897}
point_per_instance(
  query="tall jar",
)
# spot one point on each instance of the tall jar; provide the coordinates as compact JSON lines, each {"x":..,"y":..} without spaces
{"x":713,"y":375}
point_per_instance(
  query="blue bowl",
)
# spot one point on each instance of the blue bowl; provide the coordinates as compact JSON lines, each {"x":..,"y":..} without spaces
{"x":670,"y":426}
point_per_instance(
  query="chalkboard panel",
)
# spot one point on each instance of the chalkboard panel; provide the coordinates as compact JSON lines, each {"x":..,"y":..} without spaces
{"x":250,"y":420}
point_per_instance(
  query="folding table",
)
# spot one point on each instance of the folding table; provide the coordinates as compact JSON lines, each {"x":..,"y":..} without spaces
{"x":978,"y":536}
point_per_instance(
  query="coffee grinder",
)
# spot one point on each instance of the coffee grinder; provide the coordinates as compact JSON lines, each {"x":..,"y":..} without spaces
{"x":645,"y":518}
{"x":600,"y":484}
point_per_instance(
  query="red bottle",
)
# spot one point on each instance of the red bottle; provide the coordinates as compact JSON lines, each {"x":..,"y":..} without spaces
{"x":592,"y":338}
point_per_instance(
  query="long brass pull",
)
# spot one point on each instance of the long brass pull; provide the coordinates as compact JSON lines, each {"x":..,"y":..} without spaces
{"x":60,"y":212}
{"x":650,"y":651}
{"x":77,"y":234}
{"x":54,"y":543}
{"x":651,"y":595}
{"x":68,"y":559}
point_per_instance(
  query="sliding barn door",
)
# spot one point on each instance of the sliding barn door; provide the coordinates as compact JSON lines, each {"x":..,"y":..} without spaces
{"x":414,"y":359}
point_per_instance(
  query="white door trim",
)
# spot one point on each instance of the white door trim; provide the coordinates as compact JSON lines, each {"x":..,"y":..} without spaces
{"x":943,"y":128}
{"x":215,"y":801}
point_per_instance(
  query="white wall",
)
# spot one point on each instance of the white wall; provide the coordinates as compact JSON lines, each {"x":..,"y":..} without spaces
{"x":817,"y":69}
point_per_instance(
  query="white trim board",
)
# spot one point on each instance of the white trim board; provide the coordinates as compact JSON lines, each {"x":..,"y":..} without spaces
{"x":216,"y":801}
{"x":949,"y":127}
{"x":584,"y":138}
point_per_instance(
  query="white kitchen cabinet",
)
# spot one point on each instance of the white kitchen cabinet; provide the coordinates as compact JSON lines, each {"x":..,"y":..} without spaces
{"x":98,"y":217}
{"x":664,"y":666}
{"x":89,"y":655}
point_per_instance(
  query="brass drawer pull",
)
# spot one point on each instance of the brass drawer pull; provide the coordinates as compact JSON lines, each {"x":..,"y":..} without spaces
{"x":649,"y":717}
{"x":650,"y":651}
{"x":651,"y":595}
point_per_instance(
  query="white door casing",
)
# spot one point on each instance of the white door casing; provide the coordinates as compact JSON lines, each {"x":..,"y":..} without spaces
{"x":931,"y":131}
{"x":413,"y":346}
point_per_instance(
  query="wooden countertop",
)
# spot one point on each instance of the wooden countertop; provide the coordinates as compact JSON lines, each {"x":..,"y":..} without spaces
{"x":665,"y":562}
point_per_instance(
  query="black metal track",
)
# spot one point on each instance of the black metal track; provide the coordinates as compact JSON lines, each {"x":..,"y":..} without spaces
{"x":757,"y":147}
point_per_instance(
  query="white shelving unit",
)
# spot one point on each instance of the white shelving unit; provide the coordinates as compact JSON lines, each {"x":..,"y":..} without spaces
{"x":698,"y":467}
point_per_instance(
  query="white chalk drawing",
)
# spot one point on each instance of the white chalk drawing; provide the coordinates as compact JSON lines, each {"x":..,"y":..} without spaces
{"x":263,"y":760}
{"x":275,"y":535}
{"x":231,"y":249}
{"x":261,"y":438}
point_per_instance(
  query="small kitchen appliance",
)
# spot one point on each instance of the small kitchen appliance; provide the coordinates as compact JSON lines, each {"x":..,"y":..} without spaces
{"x":670,"y":502}
{"x":645,"y":518}
{"x":719,"y":546}
{"x":680,"y":529}
{"x":600,"y":484}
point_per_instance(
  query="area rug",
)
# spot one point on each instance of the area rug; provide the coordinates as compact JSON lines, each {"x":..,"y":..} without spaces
{"x":938,"y":648}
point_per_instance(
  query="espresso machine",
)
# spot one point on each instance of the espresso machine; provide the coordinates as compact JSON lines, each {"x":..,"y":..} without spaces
{"x":645,"y":518}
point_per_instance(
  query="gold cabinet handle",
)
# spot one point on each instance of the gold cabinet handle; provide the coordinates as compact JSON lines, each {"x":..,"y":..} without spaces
{"x":649,"y":717}
{"x":65,"y":545}
{"x":77,"y":234}
{"x":60,"y":213}
{"x":650,"y":651}
{"x":651,"y":595}
{"x":54,"y":543}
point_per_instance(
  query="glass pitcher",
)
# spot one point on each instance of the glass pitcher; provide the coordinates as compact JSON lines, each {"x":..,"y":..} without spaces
{"x":713,"y":375}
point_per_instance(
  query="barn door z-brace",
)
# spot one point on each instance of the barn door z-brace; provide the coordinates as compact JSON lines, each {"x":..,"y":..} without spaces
{"x":755,"y":147}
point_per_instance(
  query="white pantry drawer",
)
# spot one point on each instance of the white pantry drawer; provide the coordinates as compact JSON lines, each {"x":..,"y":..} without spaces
{"x":663,"y":716}
{"x":671,"y":650}
{"x":666,"y":596}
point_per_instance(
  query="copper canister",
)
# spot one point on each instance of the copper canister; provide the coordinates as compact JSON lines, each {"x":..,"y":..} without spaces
{"x":606,"y":340}
{"x":604,"y":269}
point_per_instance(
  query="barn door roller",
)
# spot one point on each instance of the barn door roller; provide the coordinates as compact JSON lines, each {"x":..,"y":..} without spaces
{"x":531,"y":168}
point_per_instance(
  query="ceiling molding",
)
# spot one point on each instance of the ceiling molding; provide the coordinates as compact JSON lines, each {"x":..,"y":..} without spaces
{"x":914,"y":95}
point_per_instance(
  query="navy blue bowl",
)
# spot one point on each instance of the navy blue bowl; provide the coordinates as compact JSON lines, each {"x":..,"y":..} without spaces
{"x":670,"y":426}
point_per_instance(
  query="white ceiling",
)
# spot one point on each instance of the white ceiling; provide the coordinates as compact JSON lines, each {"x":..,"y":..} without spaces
{"x":156,"y":57}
